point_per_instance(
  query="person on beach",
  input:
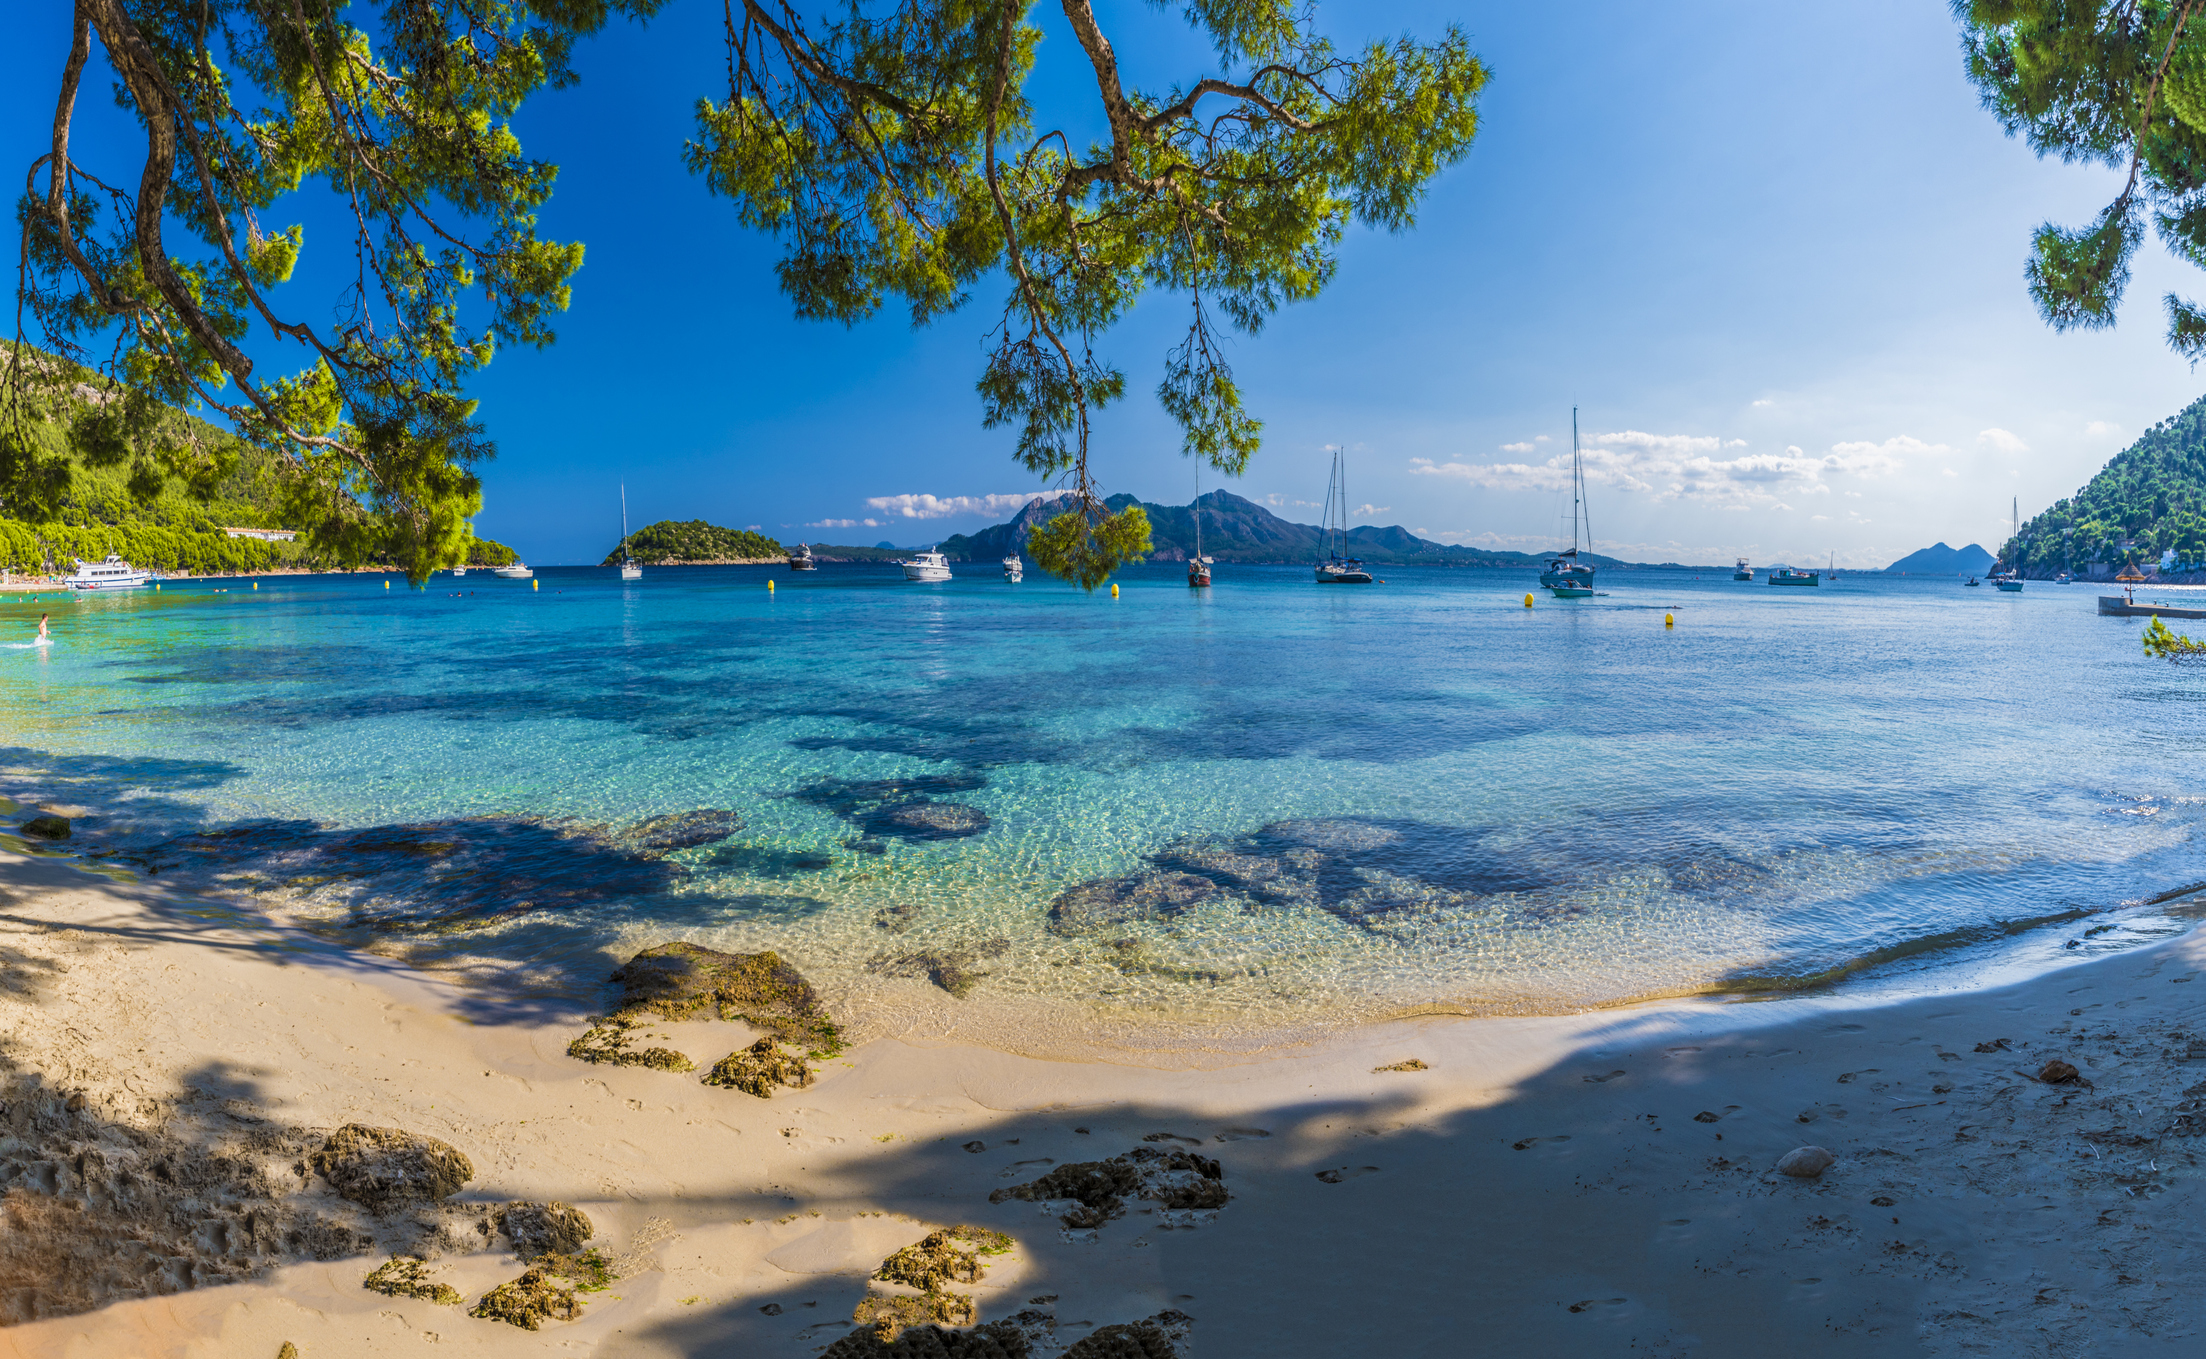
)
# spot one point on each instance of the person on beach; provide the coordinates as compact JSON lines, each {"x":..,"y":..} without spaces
{"x":42,"y":637}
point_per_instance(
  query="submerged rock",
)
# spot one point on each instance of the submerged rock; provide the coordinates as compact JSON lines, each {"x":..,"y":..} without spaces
{"x":757,"y":1069}
{"x":540,"y":1229}
{"x":683,"y":830}
{"x":47,"y":828}
{"x":1109,"y":903}
{"x":386,"y":1168}
{"x":403,"y":1276}
{"x":952,"y":971}
{"x":930,"y":821}
{"x":908,"y":809}
{"x":527,"y":1302}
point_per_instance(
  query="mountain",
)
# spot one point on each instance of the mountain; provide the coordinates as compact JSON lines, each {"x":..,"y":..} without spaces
{"x":673,"y":542}
{"x":1940,"y":560}
{"x":2149,"y":499}
{"x":1240,"y":530}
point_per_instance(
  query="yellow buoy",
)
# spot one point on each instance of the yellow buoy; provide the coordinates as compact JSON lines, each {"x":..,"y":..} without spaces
{"x":1528,"y":601}
{"x":534,"y":583}
{"x":769,"y":587}
{"x":1669,"y":620}
{"x":1114,"y":589}
{"x":256,"y":585}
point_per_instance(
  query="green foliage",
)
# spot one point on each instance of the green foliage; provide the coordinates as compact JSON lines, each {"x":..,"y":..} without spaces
{"x":2169,"y":645}
{"x":239,"y":105}
{"x":1085,"y":545}
{"x":672,"y":540}
{"x":2121,"y":84}
{"x":895,"y":146}
{"x":2151,"y":496}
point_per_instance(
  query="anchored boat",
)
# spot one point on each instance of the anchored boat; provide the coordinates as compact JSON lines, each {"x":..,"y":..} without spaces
{"x":1336,"y":568}
{"x":111,"y":574}
{"x":801,"y":559}
{"x":1198,"y":566}
{"x":628,"y":568}
{"x":1742,"y":571}
{"x":926,"y":566}
{"x":517,"y":571}
{"x":1014,"y":568}
{"x":2010,"y":580}
{"x":1785,"y":575}
{"x":1568,"y":577}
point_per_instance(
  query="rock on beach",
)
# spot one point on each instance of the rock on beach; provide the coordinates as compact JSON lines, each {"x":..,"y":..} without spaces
{"x":385,"y":1168}
{"x":1805,"y":1162}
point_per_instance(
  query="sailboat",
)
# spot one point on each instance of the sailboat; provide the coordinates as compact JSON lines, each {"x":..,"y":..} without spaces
{"x":1568,"y":577}
{"x":1337,"y":569}
{"x":2010,"y":580}
{"x":1198,"y":566}
{"x":628,"y":568}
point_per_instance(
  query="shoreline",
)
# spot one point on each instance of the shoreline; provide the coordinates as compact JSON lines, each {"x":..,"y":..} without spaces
{"x":1569,"y":1209}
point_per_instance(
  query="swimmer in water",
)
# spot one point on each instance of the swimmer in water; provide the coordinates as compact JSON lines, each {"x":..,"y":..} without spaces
{"x":42,"y":637}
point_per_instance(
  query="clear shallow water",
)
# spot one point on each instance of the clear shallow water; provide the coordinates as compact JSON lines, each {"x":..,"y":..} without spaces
{"x":1262,"y":805}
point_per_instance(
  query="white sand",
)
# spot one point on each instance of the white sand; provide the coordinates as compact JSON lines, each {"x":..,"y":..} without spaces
{"x":2026,"y":1219}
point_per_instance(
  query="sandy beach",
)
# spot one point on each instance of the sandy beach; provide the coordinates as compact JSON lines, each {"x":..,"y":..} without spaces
{"x":1593,"y":1185}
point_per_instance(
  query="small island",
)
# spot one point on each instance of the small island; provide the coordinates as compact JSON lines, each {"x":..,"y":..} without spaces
{"x":672,"y":542}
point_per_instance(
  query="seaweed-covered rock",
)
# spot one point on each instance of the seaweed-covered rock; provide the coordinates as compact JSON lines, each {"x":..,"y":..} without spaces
{"x":1131,"y":1340}
{"x":385,"y":1168}
{"x":681,"y":980}
{"x":608,"y":1042}
{"x":540,"y":1229}
{"x":403,"y":1276}
{"x":997,"y":1340}
{"x":539,"y":1295}
{"x":1108,"y":903}
{"x":757,"y":1069}
{"x":952,"y":1255}
{"x":47,"y":827}
{"x":1098,"y":1189}
{"x":683,"y":830}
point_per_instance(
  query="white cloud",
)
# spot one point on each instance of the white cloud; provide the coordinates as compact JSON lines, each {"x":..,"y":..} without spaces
{"x":1692,"y":467}
{"x":1947,"y":472}
{"x":2101,"y":429}
{"x":1280,"y":502}
{"x":1525,"y":447}
{"x":1765,"y":401}
{"x":1819,"y":518}
{"x":833,"y":523}
{"x":942,"y":507}
{"x":1539,"y":438}
{"x":2005,"y":441}
{"x":1369,"y":511}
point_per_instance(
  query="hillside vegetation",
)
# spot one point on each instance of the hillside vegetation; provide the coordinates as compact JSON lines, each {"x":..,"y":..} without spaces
{"x":177,"y":528}
{"x":2150,"y":498}
{"x":673,"y":542}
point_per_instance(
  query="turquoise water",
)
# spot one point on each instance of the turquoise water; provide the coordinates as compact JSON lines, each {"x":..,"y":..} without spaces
{"x":1263,"y":804}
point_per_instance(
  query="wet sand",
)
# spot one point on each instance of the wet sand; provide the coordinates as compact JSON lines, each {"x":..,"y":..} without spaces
{"x":1601,"y":1184}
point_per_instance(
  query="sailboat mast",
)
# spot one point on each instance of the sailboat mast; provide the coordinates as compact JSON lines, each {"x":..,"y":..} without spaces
{"x":1577,"y":489}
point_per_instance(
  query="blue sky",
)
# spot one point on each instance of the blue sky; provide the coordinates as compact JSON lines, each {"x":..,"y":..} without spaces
{"x":1773,"y":253}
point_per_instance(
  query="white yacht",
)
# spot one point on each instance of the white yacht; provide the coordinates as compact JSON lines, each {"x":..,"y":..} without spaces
{"x":1014,"y":567}
{"x":517,"y":571}
{"x":112,"y":574}
{"x":629,"y":570}
{"x":926,"y":566}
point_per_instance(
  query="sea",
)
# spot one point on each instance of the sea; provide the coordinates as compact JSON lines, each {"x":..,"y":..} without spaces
{"x":993,"y":808}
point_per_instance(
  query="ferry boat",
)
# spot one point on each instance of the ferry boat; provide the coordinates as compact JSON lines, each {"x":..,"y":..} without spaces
{"x":1742,"y":571}
{"x":517,"y":571}
{"x":926,"y":566}
{"x":1014,"y":568}
{"x":111,"y":574}
{"x":801,"y":559}
{"x":1785,"y":575}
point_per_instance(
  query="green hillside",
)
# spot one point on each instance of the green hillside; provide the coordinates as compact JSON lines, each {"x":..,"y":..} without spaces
{"x":2150,"y":498}
{"x":695,"y":542}
{"x":177,"y":528}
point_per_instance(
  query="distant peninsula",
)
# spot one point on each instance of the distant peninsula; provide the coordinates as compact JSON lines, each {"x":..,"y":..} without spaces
{"x":1240,"y":530}
{"x":674,"y":542}
{"x":1940,"y":560}
{"x":2146,"y":507}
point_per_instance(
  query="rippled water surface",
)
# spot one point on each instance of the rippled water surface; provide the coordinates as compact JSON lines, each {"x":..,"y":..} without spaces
{"x":1265,"y":803}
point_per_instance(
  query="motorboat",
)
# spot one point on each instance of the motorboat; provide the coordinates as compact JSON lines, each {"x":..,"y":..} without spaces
{"x":2065,"y":578}
{"x":801,"y":559}
{"x":926,"y":566}
{"x":1973,"y":582}
{"x":1014,"y":567}
{"x":459,"y":570}
{"x":111,"y":574}
{"x":516,"y":571}
{"x":1742,"y":571}
{"x":1786,"y":575}
{"x":1565,"y":574}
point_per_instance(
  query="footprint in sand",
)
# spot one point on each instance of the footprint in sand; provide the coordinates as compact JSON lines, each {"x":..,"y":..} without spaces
{"x":1173,"y":1137}
{"x":1535,"y":1141}
{"x":1596,"y":1080}
{"x":1711,"y":1116}
{"x":1240,"y":1134}
{"x":1591,"y":1303}
{"x":1018,"y":1168}
{"x":1345,"y":1173}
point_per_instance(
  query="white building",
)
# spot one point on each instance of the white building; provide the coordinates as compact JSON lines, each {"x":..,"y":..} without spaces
{"x":265,"y":535}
